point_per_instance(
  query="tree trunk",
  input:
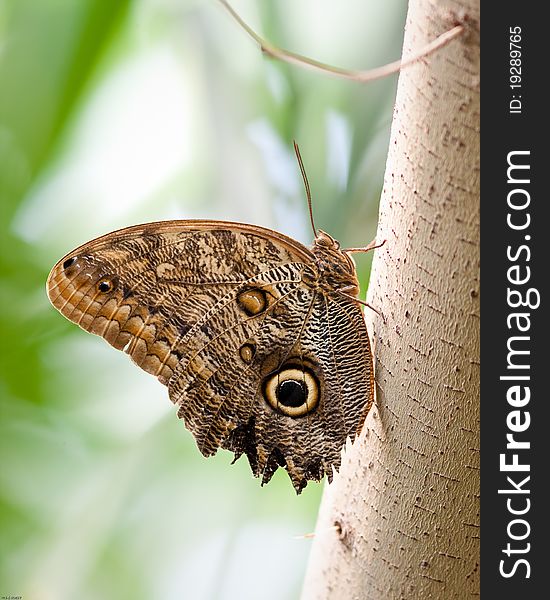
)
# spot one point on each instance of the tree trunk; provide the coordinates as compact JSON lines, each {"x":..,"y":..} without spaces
{"x":401,"y":520}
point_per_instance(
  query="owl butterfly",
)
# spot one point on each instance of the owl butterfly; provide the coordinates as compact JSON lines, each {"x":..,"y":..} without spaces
{"x":261,"y":341}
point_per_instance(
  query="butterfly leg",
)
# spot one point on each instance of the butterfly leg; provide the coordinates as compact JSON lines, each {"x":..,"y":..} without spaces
{"x":371,"y":246}
{"x":343,"y":291}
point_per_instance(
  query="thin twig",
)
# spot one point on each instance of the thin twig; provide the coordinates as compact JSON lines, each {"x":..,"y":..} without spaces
{"x":361,"y":76}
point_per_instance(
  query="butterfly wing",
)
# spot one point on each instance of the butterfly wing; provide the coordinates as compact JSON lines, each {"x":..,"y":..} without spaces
{"x":142,"y":288}
{"x":231,"y":397}
{"x":257,"y":360}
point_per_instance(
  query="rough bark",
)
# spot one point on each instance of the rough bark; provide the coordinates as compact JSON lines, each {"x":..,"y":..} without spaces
{"x":401,"y":520}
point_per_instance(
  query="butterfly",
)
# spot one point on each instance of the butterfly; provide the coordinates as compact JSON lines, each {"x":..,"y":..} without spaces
{"x":260,"y":340}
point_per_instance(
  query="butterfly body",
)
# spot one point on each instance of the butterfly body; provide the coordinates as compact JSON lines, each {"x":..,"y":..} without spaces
{"x":260,"y":341}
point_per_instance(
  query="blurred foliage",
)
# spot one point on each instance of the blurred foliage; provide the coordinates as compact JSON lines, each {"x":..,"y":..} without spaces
{"x":113,"y":113}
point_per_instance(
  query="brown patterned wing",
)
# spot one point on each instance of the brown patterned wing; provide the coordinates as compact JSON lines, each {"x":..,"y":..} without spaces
{"x":258,"y":361}
{"x":142,"y":288}
{"x":234,"y":395}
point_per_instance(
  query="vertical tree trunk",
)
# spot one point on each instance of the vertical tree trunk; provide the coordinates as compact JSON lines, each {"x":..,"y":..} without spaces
{"x":402,"y":518}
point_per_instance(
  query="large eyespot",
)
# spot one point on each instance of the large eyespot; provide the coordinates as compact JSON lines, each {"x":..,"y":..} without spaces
{"x":293,"y":391}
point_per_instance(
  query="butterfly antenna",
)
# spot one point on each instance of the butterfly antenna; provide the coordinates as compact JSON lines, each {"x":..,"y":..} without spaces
{"x":306,"y":186}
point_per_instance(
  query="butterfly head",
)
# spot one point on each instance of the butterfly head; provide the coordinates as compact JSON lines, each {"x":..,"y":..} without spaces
{"x":335,"y":266}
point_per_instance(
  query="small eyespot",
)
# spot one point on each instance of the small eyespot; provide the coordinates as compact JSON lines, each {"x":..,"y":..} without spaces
{"x":246,"y":352}
{"x":105,"y":285}
{"x":293,"y":391}
{"x":69,"y":262}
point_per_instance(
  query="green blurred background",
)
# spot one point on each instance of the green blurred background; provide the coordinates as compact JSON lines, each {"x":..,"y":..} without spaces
{"x":115,"y":113}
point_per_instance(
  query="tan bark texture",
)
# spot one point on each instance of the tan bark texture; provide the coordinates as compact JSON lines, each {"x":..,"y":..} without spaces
{"x":401,"y":520}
